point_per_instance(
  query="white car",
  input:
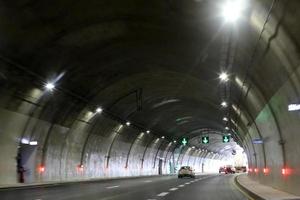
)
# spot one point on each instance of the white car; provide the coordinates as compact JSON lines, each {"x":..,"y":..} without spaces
{"x":186,"y":171}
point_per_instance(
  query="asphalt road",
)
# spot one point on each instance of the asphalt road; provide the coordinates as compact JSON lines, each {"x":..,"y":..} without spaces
{"x":204,"y":187}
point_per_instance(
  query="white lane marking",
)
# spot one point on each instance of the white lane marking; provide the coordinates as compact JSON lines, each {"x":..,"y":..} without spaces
{"x":111,"y":187}
{"x":173,"y":189}
{"x":163,"y":194}
{"x":151,"y":199}
{"x":148,"y":181}
{"x":180,"y":185}
{"x":187,"y":183}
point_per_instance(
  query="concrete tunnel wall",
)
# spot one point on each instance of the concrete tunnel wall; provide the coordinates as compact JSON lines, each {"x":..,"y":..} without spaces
{"x":103,"y":146}
{"x":266,"y":117}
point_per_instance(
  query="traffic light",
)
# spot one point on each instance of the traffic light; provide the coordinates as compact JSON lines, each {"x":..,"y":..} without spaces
{"x":184,"y":141}
{"x":226,"y":138}
{"x":205,"y":140}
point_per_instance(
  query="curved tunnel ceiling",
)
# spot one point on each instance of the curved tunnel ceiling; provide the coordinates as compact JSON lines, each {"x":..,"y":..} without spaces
{"x":154,"y":63}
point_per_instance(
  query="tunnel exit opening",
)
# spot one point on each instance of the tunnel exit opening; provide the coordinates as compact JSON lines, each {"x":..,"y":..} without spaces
{"x":26,"y":163}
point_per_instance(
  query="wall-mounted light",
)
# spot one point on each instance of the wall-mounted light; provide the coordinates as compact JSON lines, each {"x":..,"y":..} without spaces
{"x":148,"y":131}
{"x":162,"y":137}
{"x":225,"y":119}
{"x":127,"y":123}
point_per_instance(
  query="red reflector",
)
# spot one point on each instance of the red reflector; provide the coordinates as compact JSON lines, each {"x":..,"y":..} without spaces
{"x":285,"y":171}
{"x":266,"y":170}
{"x":42,"y":169}
{"x":80,"y":167}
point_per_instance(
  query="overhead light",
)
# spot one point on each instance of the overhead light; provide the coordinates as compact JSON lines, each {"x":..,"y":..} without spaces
{"x":224,"y":104}
{"x":232,"y":10}
{"x":148,"y":131}
{"x":225,"y":119}
{"x":163,"y":137}
{"x":50,"y":86}
{"x":223,"y":76}
{"x":226,"y":128}
{"x":99,"y":110}
{"x":127,"y":123}
{"x":193,"y":147}
{"x":174,"y":141}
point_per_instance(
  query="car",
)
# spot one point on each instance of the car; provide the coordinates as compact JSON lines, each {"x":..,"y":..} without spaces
{"x":240,"y":169}
{"x":186,"y":171}
{"x":227,"y":169}
{"x":230,"y":170}
{"x":222,"y":169}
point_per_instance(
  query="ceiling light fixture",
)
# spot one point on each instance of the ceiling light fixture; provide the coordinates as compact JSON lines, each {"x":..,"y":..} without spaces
{"x":50,"y":86}
{"x":224,"y":104}
{"x":99,"y":110}
{"x":223,"y":77}
{"x":232,"y":10}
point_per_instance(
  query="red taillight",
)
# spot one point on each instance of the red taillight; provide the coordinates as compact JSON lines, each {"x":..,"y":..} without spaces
{"x":250,"y":170}
{"x":256,"y":170}
{"x":41,"y":169}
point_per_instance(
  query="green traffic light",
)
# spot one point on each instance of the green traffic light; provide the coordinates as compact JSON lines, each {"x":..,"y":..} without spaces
{"x":226,"y":138}
{"x":184,"y":141}
{"x":205,"y":139}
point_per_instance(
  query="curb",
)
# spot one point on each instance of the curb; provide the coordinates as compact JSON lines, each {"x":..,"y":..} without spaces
{"x":247,"y":191}
{"x":55,"y":184}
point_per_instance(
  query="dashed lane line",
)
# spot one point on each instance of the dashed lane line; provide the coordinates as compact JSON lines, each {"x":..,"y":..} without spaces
{"x":173,"y":189}
{"x":111,"y":187}
{"x":163,"y":194}
{"x":180,"y":185}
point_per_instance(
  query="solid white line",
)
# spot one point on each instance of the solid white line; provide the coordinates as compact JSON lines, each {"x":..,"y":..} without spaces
{"x":173,"y":189}
{"x":148,"y":181}
{"x":111,"y":187}
{"x":180,"y":185}
{"x":163,"y":194}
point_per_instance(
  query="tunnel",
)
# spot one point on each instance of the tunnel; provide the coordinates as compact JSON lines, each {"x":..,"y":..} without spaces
{"x":128,"y":90}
